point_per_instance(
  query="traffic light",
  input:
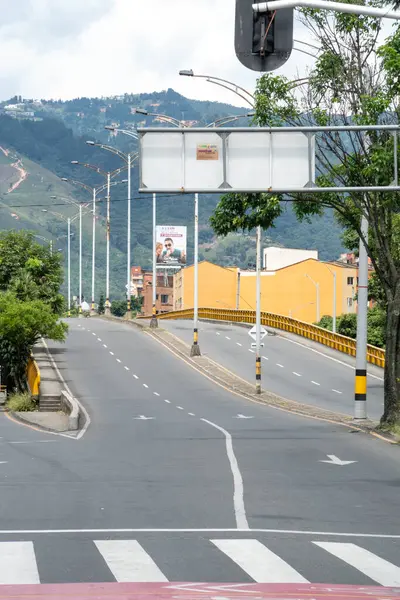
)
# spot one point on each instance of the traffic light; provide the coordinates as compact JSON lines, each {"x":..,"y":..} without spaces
{"x":263,"y":41}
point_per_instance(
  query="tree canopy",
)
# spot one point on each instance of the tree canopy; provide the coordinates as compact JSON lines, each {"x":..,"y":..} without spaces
{"x":355,"y":80}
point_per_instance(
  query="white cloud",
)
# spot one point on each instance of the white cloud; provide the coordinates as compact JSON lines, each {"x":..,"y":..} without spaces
{"x":70,"y":48}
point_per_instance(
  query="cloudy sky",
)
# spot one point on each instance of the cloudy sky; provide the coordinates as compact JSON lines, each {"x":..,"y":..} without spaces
{"x":69,"y":48}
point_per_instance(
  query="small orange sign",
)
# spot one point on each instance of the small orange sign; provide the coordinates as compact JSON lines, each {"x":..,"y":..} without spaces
{"x":207,"y":152}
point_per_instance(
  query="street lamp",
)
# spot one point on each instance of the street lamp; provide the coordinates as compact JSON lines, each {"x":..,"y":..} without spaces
{"x":317,"y":291}
{"x":69,"y":220}
{"x":94,"y":192}
{"x":129,"y":159}
{"x":228,"y":85}
{"x":108,"y":176}
{"x":334,"y":298}
{"x":45,"y":239}
{"x":166,"y":118}
{"x":80,"y":244}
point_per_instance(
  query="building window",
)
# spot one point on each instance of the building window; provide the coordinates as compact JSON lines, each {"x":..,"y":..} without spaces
{"x":164,"y":299}
{"x":350,"y":280}
{"x":349,"y":302}
{"x":157,"y":296}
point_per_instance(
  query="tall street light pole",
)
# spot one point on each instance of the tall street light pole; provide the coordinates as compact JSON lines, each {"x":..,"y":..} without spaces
{"x":107,"y":175}
{"x":334,"y":299}
{"x":360,"y":395}
{"x":154,"y":321}
{"x":317,"y":292}
{"x":128,"y":159}
{"x":258,"y":310}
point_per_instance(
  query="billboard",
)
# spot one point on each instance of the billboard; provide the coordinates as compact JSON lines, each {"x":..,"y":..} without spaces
{"x":170,"y":246}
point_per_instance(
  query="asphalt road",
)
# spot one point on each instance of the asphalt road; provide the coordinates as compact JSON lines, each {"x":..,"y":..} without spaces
{"x":310,"y":374}
{"x":176,"y":479}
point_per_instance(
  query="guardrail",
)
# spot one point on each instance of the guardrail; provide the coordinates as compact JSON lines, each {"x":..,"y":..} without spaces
{"x":33,"y":376}
{"x":336,"y":341}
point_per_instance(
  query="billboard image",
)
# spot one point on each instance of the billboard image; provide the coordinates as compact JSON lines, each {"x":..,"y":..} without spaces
{"x":170,"y":246}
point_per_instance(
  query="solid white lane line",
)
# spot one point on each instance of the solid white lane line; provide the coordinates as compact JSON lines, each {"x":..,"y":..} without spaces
{"x":238,"y":491}
{"x":18,"y":563}
{"x":238,"y":344}
{"x":297,"y":374}
{"x":374,"y":567}
{"x":145,"y":385}
{"x":336,"y":391}
{"x":118,"y":360}
{"x":136,"y":377}
{"x":126,"y":368}
{"x":156,"y":393}
{"x":112,"y":353}
{"x":279,"y":365}
{"x":315,"y":383}
{"x":129,"y":562}
{"x":257,"y":561}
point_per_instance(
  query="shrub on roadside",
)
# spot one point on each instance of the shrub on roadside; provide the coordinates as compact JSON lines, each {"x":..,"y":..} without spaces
{"x":21,"y":403}
{"x":118,"y":308}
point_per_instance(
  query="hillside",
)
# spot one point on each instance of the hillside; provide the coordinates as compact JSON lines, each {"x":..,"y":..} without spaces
{"x":56,"y":133}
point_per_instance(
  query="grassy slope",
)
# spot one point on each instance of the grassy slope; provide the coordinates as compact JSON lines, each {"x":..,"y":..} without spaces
{"x":32,"y":198}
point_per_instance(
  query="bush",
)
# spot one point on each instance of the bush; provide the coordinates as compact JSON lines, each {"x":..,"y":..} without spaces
{"x":21,"y":403}
{"x":347,"y":325}
{"x":326,"y":322}
{"x":118,"y":308}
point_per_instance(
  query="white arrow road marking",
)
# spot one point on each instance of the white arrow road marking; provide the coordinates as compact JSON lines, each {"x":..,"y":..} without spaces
{"x":239,"y":416}
{"x":143,"y":418}
{"x":334,"y":460}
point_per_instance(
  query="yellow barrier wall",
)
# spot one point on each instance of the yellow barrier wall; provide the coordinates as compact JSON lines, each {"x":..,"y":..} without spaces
{"x":338,"y":342}
{"x":33,"y":376}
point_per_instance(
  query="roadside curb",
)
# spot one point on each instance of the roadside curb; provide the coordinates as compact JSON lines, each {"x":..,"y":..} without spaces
{"x":241,"y":387}
{"x":25,"y":421}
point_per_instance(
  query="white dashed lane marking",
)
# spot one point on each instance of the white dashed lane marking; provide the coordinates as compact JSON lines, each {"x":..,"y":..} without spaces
{"x":238,"y":344}
{"x":118,"y":360}
{"x":336,"y":391}
{"x":104,"y":346}
{"x":156,"y":393}
{"x":179,"y":407}
{"x":112,"y":353}
{"x":192,"y":414}
{"x":279,"y":365}
{"x":167,"y":401}
{"x":228,"y":338}
{"x":145,"y":385}
{"x":315,"y":383}
{"x":297,"y":374}
{"x":126,"y":368}
{"x":136,"y":377}
{"x":99,"y":339}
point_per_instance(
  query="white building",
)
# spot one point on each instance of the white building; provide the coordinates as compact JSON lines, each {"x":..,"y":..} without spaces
{"x":277,"y":258}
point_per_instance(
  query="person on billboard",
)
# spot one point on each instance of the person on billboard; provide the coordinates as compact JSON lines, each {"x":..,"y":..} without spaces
{"x":159,"y":249}
{"x":172,"y":254}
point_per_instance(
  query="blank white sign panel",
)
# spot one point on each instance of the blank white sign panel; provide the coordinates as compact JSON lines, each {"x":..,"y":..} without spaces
{"x":215,"y":162}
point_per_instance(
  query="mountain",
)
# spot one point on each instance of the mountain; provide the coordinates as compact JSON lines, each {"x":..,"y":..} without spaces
{"x":46,"y":135}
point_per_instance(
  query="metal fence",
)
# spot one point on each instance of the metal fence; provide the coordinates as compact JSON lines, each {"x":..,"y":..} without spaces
{"x":336,"y":341}
{"x":33,"y":376}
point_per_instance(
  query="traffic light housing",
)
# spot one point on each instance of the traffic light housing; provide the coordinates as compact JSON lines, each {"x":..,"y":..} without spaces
{"x":263,"y":41}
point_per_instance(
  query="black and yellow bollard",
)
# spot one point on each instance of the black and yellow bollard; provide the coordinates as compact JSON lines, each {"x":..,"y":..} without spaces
{"x":195,"y":349}
{"x":258,"y":375}
{"x":154,"y":320}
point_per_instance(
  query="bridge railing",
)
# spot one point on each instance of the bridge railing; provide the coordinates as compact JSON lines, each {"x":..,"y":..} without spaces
{"x":336,"y":341}
{"x":33,"y":376}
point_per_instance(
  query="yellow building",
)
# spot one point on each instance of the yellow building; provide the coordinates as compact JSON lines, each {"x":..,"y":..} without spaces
{"x":303,"y":290}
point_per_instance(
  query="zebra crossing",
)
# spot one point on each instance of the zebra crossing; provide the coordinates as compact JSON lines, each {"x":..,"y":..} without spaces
{"x":60,"y":560}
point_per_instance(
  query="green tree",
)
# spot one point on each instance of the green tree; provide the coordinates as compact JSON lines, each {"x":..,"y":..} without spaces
{"x":22,"y":324}
{"x":118,"y":308}
{"x":30,"y":270}
{"x":101,"y":307}
{"x":353,"y":81}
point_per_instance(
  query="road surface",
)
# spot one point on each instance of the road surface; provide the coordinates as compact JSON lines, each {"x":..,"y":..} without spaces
{"x":176,"y":479}
{"x":311,"y":375}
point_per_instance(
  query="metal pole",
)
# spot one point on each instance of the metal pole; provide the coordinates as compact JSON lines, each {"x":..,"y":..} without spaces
{"x":69,"y":267}
{"x":128,"y":253}
{"x":318,"y":304}
{"x":238,"y":291}
{"x":360,"y":396}
{"x":334,"y":303}
{"x":154,"y":321}
{"x":195,"y":350}
{"x":51,"y":247}
{"x":107,"y":307}
{"x":258,"y":310}
{"x":93,"y":246}
{"x":80,"y":260}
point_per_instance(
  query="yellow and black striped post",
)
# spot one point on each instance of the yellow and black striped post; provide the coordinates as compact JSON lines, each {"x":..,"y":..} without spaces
{"x":154,"y":321}
{"x":258,"y":375}
{"x":361,"y":386}
{"x":195,"y":349}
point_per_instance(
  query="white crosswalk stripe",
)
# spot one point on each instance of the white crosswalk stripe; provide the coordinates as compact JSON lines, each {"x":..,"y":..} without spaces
{"x":18,"y":563}
{"x":129,"y":562}
{"x":257,"y":561}
{"x":372,"y":566}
